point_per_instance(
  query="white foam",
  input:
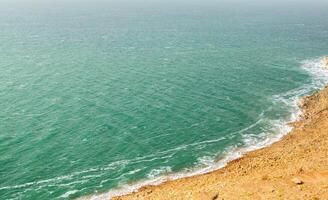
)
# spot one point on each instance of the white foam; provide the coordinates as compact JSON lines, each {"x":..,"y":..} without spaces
{"x":279,"y":128}
{"x":317,"y":69}
{"x":157,"y":172}
{"x":67,"y":194}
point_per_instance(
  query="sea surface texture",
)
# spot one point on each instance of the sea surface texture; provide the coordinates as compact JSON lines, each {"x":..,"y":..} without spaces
{"x":101,"y":95}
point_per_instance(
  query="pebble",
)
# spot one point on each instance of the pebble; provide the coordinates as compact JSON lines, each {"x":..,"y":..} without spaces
{"x":297,"y":181}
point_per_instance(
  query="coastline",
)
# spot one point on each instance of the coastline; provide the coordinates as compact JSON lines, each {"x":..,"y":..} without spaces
{"x":294,"y":167}
{"x":186,"y":181}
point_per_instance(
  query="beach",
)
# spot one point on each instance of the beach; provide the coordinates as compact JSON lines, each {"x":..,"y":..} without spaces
{"x":296,"y":167}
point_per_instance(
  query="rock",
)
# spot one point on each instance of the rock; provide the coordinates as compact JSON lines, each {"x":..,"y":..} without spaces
{"x":297,"y":181}
{"x":215,"y":197}
{"x":300,"y":170}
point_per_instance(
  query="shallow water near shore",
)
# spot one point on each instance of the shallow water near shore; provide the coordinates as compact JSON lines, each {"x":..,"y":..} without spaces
{"x":95,"y":98}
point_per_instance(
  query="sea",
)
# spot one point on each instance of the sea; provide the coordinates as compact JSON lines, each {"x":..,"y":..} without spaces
{"x":98,"y":98}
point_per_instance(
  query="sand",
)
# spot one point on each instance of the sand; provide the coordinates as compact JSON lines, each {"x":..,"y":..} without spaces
{"x":296,"y":167}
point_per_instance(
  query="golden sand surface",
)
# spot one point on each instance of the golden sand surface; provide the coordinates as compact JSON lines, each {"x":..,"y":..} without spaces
{"x":296,"y":167}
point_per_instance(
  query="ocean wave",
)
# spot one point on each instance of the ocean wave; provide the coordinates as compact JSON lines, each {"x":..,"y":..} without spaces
{"x":317,"y":69}
{"x":156,"y":172}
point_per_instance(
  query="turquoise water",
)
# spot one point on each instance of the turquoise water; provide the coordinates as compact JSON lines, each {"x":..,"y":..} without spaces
{"x":95,"y":96}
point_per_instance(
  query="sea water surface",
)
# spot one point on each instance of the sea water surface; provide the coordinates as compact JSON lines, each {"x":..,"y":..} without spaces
{"x":100,"y":95}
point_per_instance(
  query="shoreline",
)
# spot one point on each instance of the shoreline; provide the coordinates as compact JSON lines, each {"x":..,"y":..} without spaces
{"x":229,"y":156}
{"x":293,"y":167}
{"x":187,"y":181}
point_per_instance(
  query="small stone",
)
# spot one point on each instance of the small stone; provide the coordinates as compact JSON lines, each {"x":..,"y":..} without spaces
{"x":297,"y":181}
{"x":300,"y":170}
